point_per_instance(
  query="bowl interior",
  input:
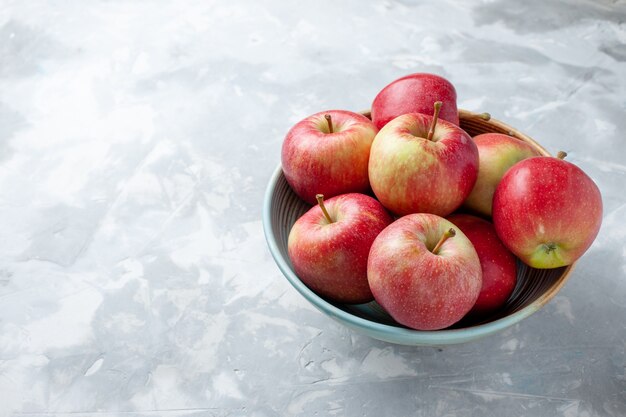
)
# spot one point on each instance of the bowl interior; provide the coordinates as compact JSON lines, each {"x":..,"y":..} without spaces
{"x":533,"y":289}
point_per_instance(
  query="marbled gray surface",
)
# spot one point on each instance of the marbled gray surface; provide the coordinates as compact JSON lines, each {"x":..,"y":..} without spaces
{"x":136,"y":141}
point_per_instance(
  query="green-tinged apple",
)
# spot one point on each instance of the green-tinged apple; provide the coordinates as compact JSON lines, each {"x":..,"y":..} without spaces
{"x":547,"y":211}
{"x":328,"y":153}
{"x":424,"y":272}
{"x":419,"y":164}
{"x":496,"y":154}
{"x":498,"y":266}
{"x":329,"y":245}
{"x":415,"y":93}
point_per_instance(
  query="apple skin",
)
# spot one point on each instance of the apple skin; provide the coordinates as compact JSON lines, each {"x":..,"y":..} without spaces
{"x":547,"y":211}
{"x":496,"y":154}
{"x":331,"y":258}
{"x":499,"y":270}
{"x":411,"y":174}
{"x":415,"y":93}
{"x":419,"y":289}
{"x":315,"y":161}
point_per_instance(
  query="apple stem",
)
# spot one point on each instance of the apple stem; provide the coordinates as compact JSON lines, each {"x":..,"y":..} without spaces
{"x":320,"y":201}
{"x":431,"y":131}
{"x":329,"y":120}
{"x":561,"y":154}
{"x":446,"y":235}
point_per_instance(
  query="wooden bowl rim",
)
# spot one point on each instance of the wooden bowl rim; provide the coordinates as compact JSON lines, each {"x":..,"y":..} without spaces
{"x":511,"y":131}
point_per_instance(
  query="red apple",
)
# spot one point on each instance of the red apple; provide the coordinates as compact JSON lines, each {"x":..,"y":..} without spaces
{"x":421,"y":276}
{"x":496,"y":154}
{"x":496,"y":261}
{"x":328,"y":246}
{"x":415,"y":93}
{"x":547,"y":211}
{"x":328,"y":153}
{"x":419,"y":164}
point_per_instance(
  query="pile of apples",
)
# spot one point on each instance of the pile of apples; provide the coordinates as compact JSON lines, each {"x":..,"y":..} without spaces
{"x":385,"y":223}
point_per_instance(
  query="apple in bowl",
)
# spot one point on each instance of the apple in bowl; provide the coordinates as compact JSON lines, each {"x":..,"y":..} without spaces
{"x":547,"y":211}
{"x":415,"y":93}
{"x":329,"y":246}
{"x":424,"y":272}
{"x":498,"y":265}
{"x":328,"y":153}
{"x":419,"y":164}
{"x":496,"y":154}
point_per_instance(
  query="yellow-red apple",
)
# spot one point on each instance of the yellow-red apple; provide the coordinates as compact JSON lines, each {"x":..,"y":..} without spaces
{"x":419,"y":164}
{"x":547,"y":211}
{"x":496,"y":154}
{"x":421,"y":275}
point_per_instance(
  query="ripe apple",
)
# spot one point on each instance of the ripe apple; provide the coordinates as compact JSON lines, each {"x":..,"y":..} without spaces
{"x":421,"y":275}
{"x":328,"y":153}
{"x":547,"y":211}
{"x":328,"y":246}
{"x":496,"y":261}
{"x":496,"y":154}
{"x":415,"y":93}
{"x":419,"y":164}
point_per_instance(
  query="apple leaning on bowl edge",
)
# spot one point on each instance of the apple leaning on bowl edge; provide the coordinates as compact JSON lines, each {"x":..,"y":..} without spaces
{"x":419,"y":164}
{"x":547,"y":211}
{"x":497,"y":153}
{"x":327,"y":153}
{"x":415,"y":93}
{"x":499,"y":270}
{"x":422,"y":275}
{"x":329,"y":246}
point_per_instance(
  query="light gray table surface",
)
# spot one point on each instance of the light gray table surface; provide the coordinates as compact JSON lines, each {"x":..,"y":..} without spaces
{"x":136,"y":142}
